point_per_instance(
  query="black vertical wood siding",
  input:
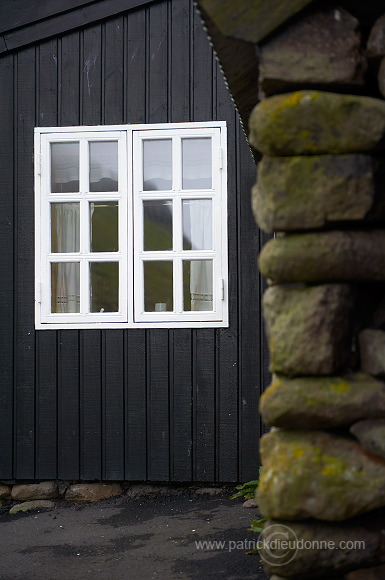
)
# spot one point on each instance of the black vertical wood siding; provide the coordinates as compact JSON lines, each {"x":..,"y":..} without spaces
{"x":157,"y":404}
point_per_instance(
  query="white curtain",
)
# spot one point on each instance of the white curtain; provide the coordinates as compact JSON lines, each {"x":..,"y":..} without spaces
{"x":197,"y":226}
{"x":65,"y":228}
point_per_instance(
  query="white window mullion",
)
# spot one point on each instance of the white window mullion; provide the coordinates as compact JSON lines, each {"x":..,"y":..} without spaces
{"x":84,"y":287}
{"x":178,"y":286}
{"x":84,"y":166}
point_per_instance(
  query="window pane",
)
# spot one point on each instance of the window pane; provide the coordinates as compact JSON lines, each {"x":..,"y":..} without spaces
{"x":158,"y":293}
{"x":65,"y":227}
{"x":157,"y":164}
{"x":104,"y":226}
{"x":157,"y":227}
{"x":104,"y":291}
{"x":196,"y":163}
{"x":65,"y":287}
{"x":197,"y":285}
{"x":197,"y":224}
{"x":104,"y":166}
{"x":64,"y":167}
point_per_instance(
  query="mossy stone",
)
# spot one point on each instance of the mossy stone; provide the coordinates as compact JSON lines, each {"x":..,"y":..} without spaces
{"x":315,"y":474}
{"x":299,"y":192}
{"x":250,"y":20}
{"x":322,"y":402}
{"x":316,"y":122}
{"x":325,"y":256}
{"x":309,"y":328}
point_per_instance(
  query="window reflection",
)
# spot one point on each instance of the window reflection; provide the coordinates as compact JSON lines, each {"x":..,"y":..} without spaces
{"x":157,"y":217}
{"x":104,"y":286}
{"x":104,"y":226}
{"x":65,"y":167}
{"x":103,"y":165}
{"x":196,"y":164}
{"x":157,"y":164}
{"x":158,"y":286}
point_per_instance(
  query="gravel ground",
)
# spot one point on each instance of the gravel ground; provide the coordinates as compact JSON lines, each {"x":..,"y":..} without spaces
{"x":139,"y":537}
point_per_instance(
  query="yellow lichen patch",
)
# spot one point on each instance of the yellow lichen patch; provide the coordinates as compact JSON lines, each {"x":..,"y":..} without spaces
{"x":333,"y":467}
{"x":341,"y":387}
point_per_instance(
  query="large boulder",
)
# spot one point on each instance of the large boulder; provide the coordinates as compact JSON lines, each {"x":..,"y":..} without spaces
{"x":322,"y":47}
{"x":372,"y":351}
{"x":325,"y":256}
{"x":32,"y":491}
{"x":315,"y":474}
{"x":323,"y":550}
{"x":308,"y":328}
{"x":296,"y":193}
{"x":314,"y":122}
{"x":376,"y":40}
{"x":90,"y":492}
{"x":322,"y":402}
{"x":371,"y":434}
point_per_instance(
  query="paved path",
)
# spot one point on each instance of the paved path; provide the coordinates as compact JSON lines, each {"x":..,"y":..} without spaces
{"x":146,"y":538}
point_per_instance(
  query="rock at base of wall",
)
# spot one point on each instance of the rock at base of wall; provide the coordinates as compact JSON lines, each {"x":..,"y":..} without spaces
{"x":316,"y":122}
{"x":89,"y":492}
{"x":323,"y":550}
{"x":5,"y":491}
{"x":325,"y":256}
{"x":308,"y":328}
{"x":371,"y":434}
{"x":322,"y":402}
{"x":296,"y":193}
{"x":27,"y":506}
{"x":32,"y":491}
{"x":315,"y":474}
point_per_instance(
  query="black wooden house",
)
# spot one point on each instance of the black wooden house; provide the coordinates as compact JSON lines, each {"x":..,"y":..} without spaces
{"x":112,"y":390}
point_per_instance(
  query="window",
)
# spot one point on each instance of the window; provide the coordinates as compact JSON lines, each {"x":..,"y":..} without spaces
{"x":131,"y":226}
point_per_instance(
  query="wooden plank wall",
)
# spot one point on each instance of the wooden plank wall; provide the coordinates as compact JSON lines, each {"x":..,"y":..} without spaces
{"x":157,"y":405}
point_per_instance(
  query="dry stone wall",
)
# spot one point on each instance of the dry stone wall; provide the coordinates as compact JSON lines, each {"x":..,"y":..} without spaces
{"x":320,"y":126}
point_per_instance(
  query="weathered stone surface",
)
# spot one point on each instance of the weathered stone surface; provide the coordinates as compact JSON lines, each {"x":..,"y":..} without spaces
{"x":320,"y":47}
{"x":372,"y":351}
{"x":295,"y":193}
{"x":324,"y":256}
{"x":89,"y":492}
{"x":381,"y":77}
{"x":31,"y":491}
{"x":5,"y":491}
{"x":27,"y":506}
{"x":377,"y":573}
{"x":322,"y":402}
{"x":316,"y":122}
{"x":324,"y":550}
{"x":251,"y":20}
{"x":308,"y":328}
{"x":250,"y":503}
{"x":371,"y":434}
{"x":141,"y":490}
{"x":315,"y":474}
{"x":376,"y":40}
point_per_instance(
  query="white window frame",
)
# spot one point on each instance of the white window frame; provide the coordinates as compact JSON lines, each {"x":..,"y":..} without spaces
{"x":130,"y":255}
